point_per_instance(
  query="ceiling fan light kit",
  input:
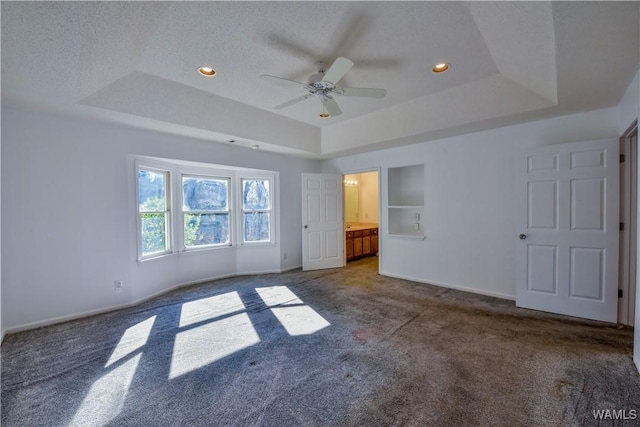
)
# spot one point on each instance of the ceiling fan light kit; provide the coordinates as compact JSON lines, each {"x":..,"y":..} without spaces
{"x":323,"y":85}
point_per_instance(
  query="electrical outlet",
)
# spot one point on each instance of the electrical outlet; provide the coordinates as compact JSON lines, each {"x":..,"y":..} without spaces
{"x":117,"y":285}
{"x":417,"y":226}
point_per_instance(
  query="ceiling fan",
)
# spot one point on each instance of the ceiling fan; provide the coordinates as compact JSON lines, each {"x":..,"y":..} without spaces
{"x":323,"y":85}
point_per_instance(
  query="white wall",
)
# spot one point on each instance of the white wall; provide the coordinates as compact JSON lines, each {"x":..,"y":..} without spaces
{"x":629,"y":107}
{"x":68,"y":217}
{"x":469,"y":215}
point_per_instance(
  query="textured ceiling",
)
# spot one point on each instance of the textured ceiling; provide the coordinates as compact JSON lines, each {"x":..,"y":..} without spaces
{"x":135,"y":63}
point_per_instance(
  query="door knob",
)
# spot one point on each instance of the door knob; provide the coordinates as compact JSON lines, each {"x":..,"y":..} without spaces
{"x":306,"y":226}
{"x":523,"y":236}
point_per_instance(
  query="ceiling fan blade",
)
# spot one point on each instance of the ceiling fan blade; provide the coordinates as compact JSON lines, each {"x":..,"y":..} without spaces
{"x":292,"y":47}
{"x":337,"y":70}
{"x":281,"y":80}
{"x":293,"y":101}
{"x":362,"y":91}
{"x":331,"y":106}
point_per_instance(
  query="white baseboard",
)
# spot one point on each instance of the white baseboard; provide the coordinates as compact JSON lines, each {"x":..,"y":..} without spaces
{"x":254,"y":273}
{"x":284,"y":270}
{"x":451,"y":286}
{"x":62,"y":319}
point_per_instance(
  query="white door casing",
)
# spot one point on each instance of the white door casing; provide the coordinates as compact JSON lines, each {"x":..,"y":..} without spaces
{"x":322,"y":222}
{"x":567,"y":249}
{"x":627,"y":255}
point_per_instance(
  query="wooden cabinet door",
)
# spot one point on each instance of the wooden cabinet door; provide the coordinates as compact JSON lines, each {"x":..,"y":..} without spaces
{"x":357,"y":246}
{"x":366,"y":245}
{"x":349,"y":248}
{"x":361,"y":243}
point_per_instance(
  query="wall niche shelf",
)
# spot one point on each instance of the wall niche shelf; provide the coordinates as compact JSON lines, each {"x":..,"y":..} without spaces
{"x":405,"y":201}
{"x":408,"y":236}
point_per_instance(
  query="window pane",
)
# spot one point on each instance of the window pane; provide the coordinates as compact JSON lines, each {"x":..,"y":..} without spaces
{"x":206,"y":229}
{"x":204,"y":194}
{"x":256,"y":226}
{"x":151,"y":190}
{"x":153,"y":233}
{"x":255,"y":194}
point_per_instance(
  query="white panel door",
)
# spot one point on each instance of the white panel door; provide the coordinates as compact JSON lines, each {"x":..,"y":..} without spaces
{"x":323,"y":230}
{"x":567,"y":250}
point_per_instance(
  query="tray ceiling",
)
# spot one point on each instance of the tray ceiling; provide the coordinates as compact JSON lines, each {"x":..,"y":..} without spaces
{"x":136,"y":63}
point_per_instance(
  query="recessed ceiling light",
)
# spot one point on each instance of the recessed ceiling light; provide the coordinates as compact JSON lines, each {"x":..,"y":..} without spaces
{"x":440,"y":68}
{"x":324,"y":115}
{"x":207,"y":71}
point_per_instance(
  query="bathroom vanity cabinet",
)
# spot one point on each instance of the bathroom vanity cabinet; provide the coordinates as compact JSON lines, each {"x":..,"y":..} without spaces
{"x":361,"y":242}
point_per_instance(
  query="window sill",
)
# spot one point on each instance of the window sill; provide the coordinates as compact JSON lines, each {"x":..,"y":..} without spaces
{"x":156,"y":257}
{"x":204,"y":250}
{"x":256,"y":244}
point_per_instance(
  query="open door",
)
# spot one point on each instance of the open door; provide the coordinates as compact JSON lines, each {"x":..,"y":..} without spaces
{"x":627,"y":255}
{"x":567,"y":250}
{"x":323,"y":228}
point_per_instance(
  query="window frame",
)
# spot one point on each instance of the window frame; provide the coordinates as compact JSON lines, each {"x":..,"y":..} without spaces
{"x":229,"y":211}
{"x":241,"y":210}
{"x":168,"y":213}
{"x":174,"y":227}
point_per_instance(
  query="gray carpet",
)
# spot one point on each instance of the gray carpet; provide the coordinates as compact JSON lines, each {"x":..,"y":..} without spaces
{"x":331,"y":347}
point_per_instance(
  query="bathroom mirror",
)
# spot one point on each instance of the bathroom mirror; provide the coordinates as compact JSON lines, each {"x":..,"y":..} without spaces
{"x":361,"y":198}
{"x":351,"y":203}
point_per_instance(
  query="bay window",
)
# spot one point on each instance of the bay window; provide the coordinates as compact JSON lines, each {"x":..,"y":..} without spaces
{"x":205,"y":206}
{"x":221,"y":206}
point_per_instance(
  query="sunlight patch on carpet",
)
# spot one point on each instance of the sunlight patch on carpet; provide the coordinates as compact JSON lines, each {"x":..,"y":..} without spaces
{"x":106,"y":398}
{"x":300,"y":320}
{"x":133,"y":338}
{"x":205,"y":344}
{"x":278,"y":295}
{"x":209,"y":308}
{"x":296,"y":317}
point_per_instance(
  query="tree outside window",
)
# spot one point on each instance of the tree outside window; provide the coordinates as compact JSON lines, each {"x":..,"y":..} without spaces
{"x":214,"y":212}
{"x":153,"y":211}
{"x":256,"y":210}
{"x":206,"y":211}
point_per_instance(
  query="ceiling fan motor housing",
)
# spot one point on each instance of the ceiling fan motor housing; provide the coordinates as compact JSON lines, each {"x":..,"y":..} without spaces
{"x":323,"y":86}
{"x":315,"y":78}
{"x":321,"y":67}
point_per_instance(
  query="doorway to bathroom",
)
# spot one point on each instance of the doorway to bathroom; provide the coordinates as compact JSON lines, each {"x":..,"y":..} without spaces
{"x":361,"y":214}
